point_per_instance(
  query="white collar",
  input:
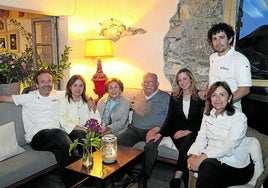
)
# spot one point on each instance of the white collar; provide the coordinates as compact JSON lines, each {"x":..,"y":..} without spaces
{"x":153,"y":94}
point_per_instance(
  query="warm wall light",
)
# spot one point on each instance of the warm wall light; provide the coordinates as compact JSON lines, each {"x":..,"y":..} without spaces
{"x":98,"y":48}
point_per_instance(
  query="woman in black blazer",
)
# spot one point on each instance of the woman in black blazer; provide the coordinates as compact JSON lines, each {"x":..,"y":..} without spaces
{"x":183,"y":121}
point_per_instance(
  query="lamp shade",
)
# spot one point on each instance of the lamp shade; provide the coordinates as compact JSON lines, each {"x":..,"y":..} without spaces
{"x":98,"y":48}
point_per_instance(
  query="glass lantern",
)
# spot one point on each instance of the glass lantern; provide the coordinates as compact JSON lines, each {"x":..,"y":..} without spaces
{"x":109,"y":148}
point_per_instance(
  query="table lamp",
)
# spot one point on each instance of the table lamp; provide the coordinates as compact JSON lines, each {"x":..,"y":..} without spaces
{"x":98,"y":48}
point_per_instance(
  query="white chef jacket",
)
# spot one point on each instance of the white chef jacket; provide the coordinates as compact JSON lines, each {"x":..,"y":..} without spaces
{"x":223,"y":138}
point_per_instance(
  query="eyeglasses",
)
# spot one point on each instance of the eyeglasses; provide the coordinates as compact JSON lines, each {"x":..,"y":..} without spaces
{"x":148,"y":82}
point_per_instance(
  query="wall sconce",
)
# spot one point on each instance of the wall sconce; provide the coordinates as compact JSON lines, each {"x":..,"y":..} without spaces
{"x":98,"y":48}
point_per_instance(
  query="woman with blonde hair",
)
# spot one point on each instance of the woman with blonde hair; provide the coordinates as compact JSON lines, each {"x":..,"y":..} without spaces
{"x":183,"y":121}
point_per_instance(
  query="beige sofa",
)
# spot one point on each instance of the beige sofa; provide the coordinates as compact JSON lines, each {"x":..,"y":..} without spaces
{"x":27,"y":165}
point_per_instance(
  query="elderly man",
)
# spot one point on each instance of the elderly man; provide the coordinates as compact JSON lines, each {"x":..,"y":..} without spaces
{"x":150,"y":108}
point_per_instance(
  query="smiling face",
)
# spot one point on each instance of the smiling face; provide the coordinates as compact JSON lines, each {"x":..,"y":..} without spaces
{"x":184,"y":81}
{"x":220,"y":43}
{"x":219,"y":99}
{"x":114,"y":90}
{"x":77,"y":89}
{"x":44,"y":84}
{"x":149,"y":84}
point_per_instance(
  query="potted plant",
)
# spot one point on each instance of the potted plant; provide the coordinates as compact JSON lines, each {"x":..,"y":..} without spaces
{"x":14,"y":70}
{"x":92,"y":140}
{"x":57,"y":71}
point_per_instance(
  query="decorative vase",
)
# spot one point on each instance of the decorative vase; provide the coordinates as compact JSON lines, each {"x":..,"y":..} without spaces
{"x":87,"y":157}
{"x":11,"y":88}
{"x":109,"y":148}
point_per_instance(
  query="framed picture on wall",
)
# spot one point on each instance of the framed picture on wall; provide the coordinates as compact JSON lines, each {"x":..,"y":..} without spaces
{"x":13,"y":42}
{"x":3,"y":25}
{"x":3,"y":42}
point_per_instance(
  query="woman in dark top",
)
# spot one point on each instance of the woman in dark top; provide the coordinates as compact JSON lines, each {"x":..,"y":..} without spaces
{"x":183,"y":121}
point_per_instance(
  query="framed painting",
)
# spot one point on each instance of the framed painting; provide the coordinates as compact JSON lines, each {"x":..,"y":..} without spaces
{"x":3,"y":25}
{"x":3,"y":42}
{"x":13,"y":42}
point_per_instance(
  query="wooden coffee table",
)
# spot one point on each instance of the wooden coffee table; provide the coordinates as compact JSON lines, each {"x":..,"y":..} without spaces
{"x":100,"y":170}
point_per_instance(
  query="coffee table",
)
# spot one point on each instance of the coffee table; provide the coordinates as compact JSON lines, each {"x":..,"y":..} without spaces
{"x":100,"y":170}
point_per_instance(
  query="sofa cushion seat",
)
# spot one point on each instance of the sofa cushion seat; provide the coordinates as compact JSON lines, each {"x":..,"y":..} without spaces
{"x":24,"y":165}
{"x":166,"y":148}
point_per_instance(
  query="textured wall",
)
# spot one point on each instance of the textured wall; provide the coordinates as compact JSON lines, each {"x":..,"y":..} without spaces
{"x":185,"y":44}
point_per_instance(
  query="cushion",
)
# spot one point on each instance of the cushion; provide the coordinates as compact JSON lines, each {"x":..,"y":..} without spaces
{"x":167,"y":142}
{"x":8,"y":141}
{"x":256,"y":155}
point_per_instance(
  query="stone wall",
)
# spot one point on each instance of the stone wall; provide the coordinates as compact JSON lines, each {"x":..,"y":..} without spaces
{"x":185,"y":44}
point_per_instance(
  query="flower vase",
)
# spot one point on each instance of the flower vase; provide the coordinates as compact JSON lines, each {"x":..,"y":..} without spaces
{"x":87,"y":158}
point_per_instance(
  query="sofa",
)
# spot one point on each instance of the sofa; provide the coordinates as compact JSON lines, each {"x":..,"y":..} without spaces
{"x":22,"y":163}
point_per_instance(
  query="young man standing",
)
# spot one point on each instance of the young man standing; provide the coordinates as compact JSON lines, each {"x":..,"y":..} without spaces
{"x":226,"y":64}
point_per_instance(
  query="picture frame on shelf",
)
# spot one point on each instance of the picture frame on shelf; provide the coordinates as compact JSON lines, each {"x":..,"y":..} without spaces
{"x":3,"y":25}
{"x":13,"y":42}
{"x":3,"y":42}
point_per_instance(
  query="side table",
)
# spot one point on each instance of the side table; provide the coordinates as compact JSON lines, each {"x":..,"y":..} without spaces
{"x":102,"y":171}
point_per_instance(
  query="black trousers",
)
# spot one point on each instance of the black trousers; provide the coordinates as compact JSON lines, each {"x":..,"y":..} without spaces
{"x":58,"y":142}
{"x":80,"y":135}
{"x":183,"y":145}
{"x":133,"y":136}
{"x":213,"y":174}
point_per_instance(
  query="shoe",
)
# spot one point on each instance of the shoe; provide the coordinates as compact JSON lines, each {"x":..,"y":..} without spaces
{"x":175,"y":183}
{"x":142,"y":183}
{"x":125,"y":180}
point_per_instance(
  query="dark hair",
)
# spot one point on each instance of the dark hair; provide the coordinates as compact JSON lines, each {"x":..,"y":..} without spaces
{"x":229,"y":108}
{"x":178,"y":90}
{"x":42,"y":71}
{"x":117,"y":80}
{"x":221,"y":27}
{"x":71,"y":82}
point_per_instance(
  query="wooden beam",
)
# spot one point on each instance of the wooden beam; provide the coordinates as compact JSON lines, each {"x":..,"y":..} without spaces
{"x":230,"y":12}
{"x":260,"y":83}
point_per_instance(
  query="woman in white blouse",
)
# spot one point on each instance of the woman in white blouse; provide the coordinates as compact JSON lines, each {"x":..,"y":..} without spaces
{"x":219,"y":153}
{"x":75,"y":109}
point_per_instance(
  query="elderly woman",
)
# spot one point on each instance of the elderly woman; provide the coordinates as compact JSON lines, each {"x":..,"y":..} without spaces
{"x":114,"y":108}
{"x":219,"y":153}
